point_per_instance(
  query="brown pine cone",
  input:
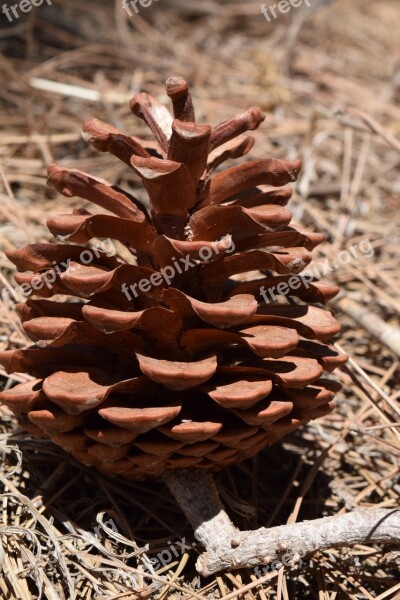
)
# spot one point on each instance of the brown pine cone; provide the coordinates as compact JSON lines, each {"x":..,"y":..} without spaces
{"x":172,"y":359}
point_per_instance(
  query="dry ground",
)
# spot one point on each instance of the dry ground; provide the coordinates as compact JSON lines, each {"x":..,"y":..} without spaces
{"x":329,"y":81}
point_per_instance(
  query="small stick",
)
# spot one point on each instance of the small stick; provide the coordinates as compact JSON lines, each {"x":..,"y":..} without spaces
{"x":228,"y":548}
{"x":385,"y":333}
{"x":74,"y":91}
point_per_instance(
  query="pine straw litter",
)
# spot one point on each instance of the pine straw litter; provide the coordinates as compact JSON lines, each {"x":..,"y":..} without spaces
{"x":329,"y":81}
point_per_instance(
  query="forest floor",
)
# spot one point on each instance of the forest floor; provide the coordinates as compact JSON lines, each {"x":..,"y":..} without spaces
{"x":328,"y":78}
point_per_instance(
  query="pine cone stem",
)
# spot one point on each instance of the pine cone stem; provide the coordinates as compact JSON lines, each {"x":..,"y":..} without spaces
{"x":197,"y":495}
{"x":228,"y":548}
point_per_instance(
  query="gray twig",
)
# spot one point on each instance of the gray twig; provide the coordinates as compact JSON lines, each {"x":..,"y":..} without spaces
{"x":229,"y":548}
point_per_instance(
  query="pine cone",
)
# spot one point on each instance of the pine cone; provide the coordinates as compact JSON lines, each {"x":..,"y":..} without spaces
{"x":172,"y":359}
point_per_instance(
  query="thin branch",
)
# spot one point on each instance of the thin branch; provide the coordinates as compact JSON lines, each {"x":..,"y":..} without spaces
{"x":385,"y":333}
{"x":228,"y":548}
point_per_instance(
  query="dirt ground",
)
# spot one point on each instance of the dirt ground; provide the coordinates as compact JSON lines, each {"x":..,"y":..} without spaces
{"x":328,"y":78}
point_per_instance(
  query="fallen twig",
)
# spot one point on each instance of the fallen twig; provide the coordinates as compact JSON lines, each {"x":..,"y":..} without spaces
{"x":229,"y":548}
{"x":386,"y":334}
